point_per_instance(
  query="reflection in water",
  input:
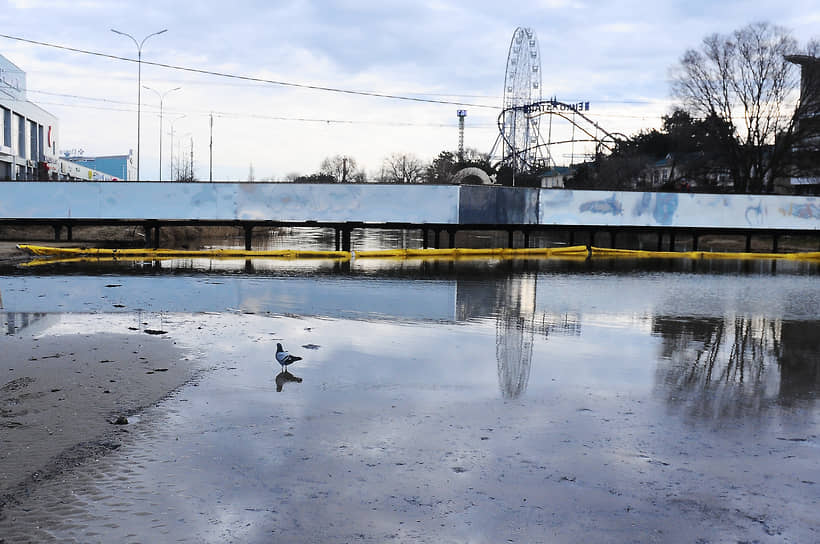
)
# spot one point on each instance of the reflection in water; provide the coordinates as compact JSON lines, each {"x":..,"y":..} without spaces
{"x":799,"y":361}
{"x":16,"y":322}
{"x":514,"y":334}
{"x":517,"y":322}
{"x":738,"y":365}
{"x":284,"y":377}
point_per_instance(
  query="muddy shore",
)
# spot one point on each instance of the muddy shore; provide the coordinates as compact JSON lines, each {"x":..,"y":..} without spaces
{"x":66,"y":398}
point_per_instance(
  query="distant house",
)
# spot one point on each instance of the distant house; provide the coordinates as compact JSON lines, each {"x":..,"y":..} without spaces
{"x":555,"y":177}
{"x":661,"y":171}
{"x":685,"y":171}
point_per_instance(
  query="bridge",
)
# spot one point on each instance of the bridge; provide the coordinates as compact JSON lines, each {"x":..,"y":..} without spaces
{"x":434,"y":209}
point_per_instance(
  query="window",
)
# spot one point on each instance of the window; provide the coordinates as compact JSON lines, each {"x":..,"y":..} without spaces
{"x":6,"y":127}
{"x":34,"y":152}
{"x":21,"y":136}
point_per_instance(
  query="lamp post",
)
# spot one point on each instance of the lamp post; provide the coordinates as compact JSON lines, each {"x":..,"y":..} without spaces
{"x":139,"y":83}
{"x":161,"y":98}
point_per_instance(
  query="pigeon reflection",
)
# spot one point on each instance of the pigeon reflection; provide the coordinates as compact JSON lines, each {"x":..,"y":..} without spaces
{"x":284,"y":377}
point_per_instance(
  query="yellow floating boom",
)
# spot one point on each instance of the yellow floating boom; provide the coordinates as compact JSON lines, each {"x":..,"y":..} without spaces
{"x":50,"y":251}
{"x":457,"y":253}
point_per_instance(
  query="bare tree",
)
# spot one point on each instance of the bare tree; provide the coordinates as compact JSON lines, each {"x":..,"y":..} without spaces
{"x":342,"y":169}
{"x":185,"y":166}
{"x":402,"y":168}
{"x":744,"y":79}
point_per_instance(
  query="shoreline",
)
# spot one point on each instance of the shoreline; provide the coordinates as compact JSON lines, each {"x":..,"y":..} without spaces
{"x":61,"y":397}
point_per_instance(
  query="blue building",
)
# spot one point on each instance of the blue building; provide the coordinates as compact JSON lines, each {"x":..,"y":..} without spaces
{"x":119,"y":167}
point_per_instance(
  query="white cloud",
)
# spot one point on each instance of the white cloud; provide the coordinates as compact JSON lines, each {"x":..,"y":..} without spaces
{"x":610,"y":53}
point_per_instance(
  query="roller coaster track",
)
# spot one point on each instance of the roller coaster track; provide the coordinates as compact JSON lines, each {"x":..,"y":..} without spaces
{"x":571,"y":113}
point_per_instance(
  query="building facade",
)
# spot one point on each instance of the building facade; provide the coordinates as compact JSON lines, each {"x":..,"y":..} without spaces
{"x":806,"y":176}
{"x":29,"y":139}
{"x":119,"y":167}
{"x":28,"y":133}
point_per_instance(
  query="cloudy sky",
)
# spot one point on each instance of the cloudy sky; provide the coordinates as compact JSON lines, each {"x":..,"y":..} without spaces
{"x":617,"y":55}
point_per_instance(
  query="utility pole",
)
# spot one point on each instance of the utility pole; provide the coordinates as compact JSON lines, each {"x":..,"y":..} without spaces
{"x":211,"y":160}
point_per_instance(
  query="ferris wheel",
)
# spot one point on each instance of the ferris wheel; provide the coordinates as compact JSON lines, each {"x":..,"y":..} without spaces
{"x":522,"y":86}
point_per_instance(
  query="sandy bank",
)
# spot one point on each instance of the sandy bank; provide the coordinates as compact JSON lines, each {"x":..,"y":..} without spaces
{"x":59,"y":397}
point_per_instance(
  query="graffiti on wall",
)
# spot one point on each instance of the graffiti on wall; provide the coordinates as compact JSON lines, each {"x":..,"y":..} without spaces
{"x":609,"y":206}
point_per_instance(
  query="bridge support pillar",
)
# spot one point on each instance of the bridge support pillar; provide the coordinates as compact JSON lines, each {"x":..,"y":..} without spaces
{"x":613,"y":234}
{"x":775,"y":239}
{"x":748,"y":242}
{"x":572,"y":238}
{"x":660,"y":241}
{"x":69,"y":233}
{"x":671,"y":241}
{"x":424,"y":234}
{"x":451,"y":235}
{"x":337,"y":235}
{"x":695,"y":239}
{"x":151,"y":235}
{"x":437,"y":239}
{"x":346,"y":239}
{"x":248,"y":236}
{"x":57,"y":230}
{"x":526,"y":239}
{"x":511,"y":238}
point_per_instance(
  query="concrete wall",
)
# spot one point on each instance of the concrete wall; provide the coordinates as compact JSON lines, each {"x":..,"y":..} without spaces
{"x":678,"y":210}
{"x":230,"y":201}
{"x":416,"y":204}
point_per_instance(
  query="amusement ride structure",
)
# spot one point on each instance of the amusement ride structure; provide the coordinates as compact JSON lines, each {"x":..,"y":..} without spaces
{"x":522,"y":144}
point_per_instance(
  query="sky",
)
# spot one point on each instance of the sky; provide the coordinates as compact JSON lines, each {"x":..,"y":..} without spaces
{"x":617,"y":55}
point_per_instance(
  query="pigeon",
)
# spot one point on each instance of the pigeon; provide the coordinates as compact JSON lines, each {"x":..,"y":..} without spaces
{"x":284,"y":358}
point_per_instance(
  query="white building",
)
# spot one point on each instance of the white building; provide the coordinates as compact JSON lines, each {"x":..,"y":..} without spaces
{"x":29,"y":136}
{"x":28,"y":133}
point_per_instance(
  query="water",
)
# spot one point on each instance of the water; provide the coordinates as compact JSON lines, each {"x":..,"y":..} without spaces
{"x":441,"y":401}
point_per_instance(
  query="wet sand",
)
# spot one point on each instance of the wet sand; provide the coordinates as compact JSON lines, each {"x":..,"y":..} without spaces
{"x":61,"y":396}
{"x":9,"y":254}
{"x":375,"y":451}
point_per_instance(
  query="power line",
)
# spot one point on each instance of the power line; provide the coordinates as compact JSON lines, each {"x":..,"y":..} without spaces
{"x":249,"y":78}
{"x":237,"y":115}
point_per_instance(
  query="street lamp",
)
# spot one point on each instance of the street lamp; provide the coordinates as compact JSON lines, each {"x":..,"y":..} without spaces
{"x":161,"y":98}
{"x":139,"y":83}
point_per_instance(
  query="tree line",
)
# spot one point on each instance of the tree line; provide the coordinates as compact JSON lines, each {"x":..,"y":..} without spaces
{"x":397,"y":168}
{"x":736,"y":126}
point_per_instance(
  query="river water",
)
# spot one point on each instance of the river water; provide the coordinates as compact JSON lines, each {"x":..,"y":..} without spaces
{"x":450,"y":401}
